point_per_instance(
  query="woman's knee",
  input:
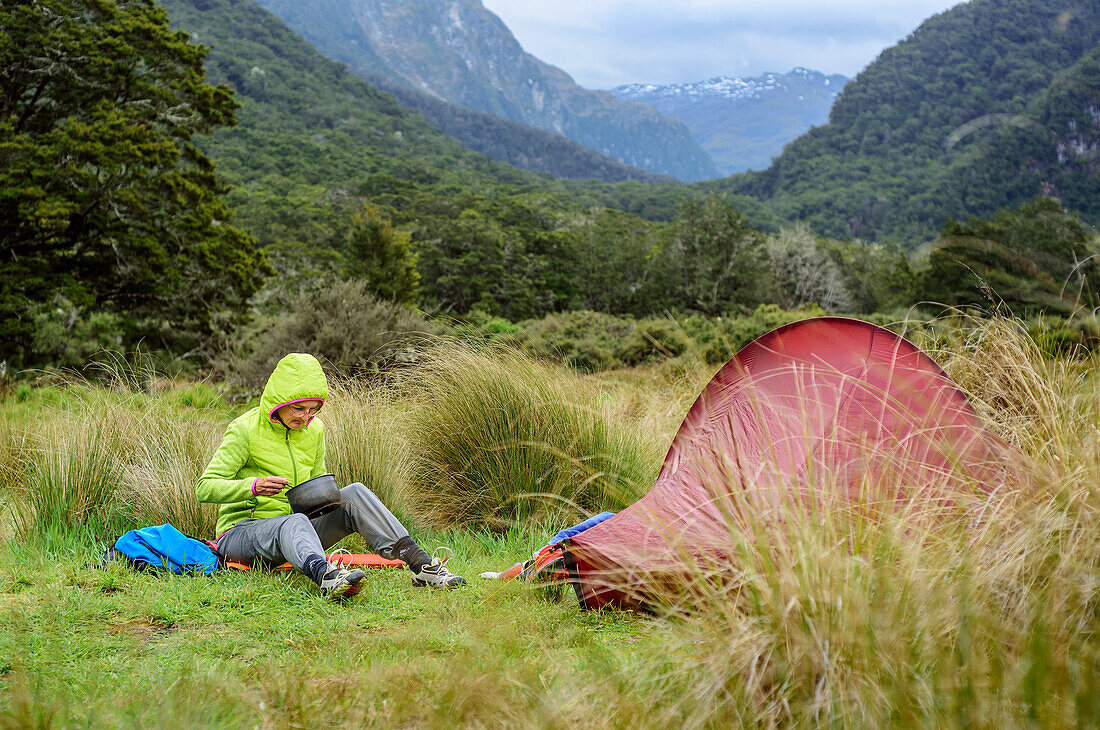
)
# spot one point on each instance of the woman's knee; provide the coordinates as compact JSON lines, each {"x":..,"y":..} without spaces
{"x":293,"y":523}
{"x":356,"y":490}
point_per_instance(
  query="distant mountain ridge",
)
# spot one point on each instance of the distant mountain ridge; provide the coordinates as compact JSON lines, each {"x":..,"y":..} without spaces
{"x":512,"y":142}
{"x":459,"y":51}
{"x":737,"y":87}
{"x":743,"y":123}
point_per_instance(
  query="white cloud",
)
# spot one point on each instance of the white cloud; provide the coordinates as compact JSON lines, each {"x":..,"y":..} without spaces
{"x":603,"y":43}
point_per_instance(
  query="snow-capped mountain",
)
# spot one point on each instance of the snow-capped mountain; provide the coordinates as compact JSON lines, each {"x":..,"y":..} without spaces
{"x":744,"y":122}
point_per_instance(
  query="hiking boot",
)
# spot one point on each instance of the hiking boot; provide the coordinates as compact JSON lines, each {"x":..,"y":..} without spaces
{"x":339,"y":583}
{"x":436,"y":575}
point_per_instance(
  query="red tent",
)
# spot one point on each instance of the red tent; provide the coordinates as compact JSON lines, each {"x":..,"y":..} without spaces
{"x":819,"y":413}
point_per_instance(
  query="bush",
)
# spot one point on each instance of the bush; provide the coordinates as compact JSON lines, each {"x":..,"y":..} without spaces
{"x":346,"y":327}
{"x":490,"y":324}
{"x":652,"y":340}
{"x":587,"y":341}
{"x":593,"y":341}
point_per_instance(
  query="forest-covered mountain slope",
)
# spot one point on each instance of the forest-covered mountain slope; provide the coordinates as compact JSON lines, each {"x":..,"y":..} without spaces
{"x":312,"y":136}
{"x":460,"y":52}
{"x":933,"y":127}
{"x":743,"y":123}
{"x":1053,"y":148}
{"x":309,"y":132}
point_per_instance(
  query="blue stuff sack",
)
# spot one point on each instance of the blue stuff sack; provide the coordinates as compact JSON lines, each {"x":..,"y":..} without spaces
{"x":163,"y":547}
{"x":580,"y":527}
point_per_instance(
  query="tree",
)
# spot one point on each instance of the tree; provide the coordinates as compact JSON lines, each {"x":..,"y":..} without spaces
{"x":462,"y":261}
{"x":1034,"y":258}
{"x":877,"y":276}
{"x":505,"y":256}
{"x":802,"y":273}
{"x":618,"y":266}
{"x":104,"y":199}
{"x":382,"y":257}
{"x":719,"y":257}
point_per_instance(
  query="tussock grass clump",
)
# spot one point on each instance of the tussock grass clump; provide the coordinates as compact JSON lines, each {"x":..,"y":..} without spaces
{"x":1020,"y":393}
{"x":496,"y":437}
{"x":158,"y":481}
{"x":16,"y":442}
{"x":363,"y":440}
{"x":906,"y":627}
{"x":73,"y":475}
{"x":106,"y":457}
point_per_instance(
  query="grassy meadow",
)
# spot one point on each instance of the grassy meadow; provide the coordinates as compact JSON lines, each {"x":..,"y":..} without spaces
{"x":852,"y":621}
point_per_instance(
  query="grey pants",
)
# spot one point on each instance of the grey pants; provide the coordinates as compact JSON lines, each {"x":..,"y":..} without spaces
{"x":295,"y":538}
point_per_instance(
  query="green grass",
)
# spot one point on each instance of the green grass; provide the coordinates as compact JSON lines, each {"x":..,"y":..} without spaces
{"x":105,"y":646}
{"x":846,"y":618}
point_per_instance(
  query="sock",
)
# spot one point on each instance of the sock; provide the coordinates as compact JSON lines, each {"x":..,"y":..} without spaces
{"x":316,"y":566}
{"x":407,"y":550}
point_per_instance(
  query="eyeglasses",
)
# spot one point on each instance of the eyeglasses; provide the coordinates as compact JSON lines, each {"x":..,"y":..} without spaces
{"x":298,"y":409}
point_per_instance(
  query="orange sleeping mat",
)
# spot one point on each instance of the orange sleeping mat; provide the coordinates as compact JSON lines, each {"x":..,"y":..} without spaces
{"x":362,"y":560}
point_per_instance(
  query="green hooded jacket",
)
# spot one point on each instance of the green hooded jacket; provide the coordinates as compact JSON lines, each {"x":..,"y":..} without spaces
{"x":257,"y":444}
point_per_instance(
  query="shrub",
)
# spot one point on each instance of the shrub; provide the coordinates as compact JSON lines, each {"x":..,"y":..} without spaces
{"x":593,"y":341}
{"x":490,"y":324}
{"x":584,"y":340}
{"x":350,"y":330}
{"x":652,"y":340}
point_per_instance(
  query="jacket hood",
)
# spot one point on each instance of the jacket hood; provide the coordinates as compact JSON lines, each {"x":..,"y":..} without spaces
{"x":296,"y":377}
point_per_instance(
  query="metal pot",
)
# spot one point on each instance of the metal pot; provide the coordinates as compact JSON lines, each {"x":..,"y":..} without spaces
{"x":315,"y":497}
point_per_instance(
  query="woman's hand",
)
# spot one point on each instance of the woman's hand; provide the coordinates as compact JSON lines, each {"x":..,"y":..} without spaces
{"x":269,"y":486}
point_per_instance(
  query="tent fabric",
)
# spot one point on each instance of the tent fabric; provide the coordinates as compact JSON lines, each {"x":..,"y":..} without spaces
{"x":817,"y":413}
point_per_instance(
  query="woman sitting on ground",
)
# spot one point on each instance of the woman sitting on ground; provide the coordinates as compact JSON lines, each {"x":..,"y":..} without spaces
{"x":278,"y":445}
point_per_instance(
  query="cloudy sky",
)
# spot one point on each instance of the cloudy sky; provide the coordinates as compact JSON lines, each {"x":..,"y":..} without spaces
{"x":604,"y":43}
